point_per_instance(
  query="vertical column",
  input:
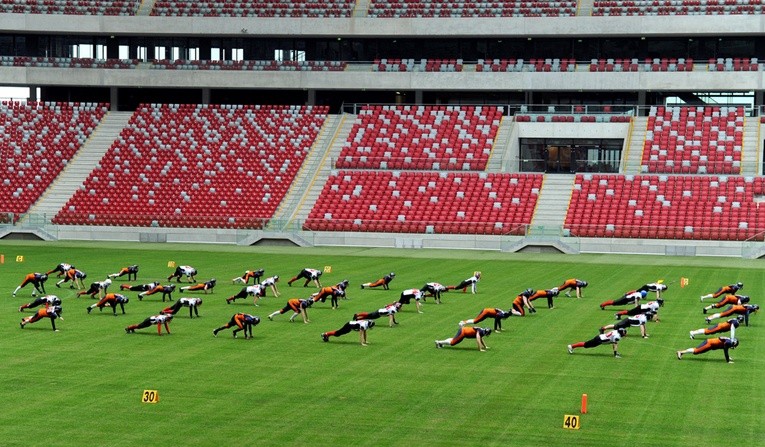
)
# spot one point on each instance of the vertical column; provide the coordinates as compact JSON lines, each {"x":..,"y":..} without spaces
{"x":113,"y":99}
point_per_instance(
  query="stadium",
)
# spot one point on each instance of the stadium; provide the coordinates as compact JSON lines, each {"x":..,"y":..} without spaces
{"x":434,"y":139}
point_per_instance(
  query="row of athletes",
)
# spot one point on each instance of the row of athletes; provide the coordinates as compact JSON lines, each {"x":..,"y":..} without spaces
{"x":70,"y":273}
{"x":52,"y":308}
{"x":522,"y":302}
{"x":638,"y":316}
{"x":738,"y":308}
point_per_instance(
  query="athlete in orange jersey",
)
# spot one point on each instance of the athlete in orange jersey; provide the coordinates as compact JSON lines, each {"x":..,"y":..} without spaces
{"x":730,"y":289}
{"x":37,"y":280}
{"x":725,"y":326}
{"x":521,"y":302}
{"x":243,"y":322}
{"x":74,"y":275}
{"x":742,"y":309}
{"x":490,"y":312}
{"x":712,"y":344}
{"x":298,"y":307}
{"x":111,"y":299}
{"x":245,"y":278}
{"x":167,"y":291}
{"x":51,"y":312}
{"x":728,"y":299}
{"x":131,"y":271}
{"x":549,"y":294}
{"x":203,"y":286}
{"x":331,"y":292}
{"x":573,"y":283}
{"x":384,"y":281}
{"x":479,"y":333}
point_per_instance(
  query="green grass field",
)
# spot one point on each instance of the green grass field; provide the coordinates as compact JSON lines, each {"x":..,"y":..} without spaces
{"x":83,"y":385}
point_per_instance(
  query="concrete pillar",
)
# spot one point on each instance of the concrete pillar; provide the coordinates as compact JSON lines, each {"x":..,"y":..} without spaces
{"x":113,"y":99}
{"x":642,"y":111}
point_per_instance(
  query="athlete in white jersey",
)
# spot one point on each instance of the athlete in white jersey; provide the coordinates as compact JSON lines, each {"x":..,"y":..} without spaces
{"x":270,"y":282}
{"x":612,"y":337}
{"x":159,"y":320}
{"x":256,"y":291}
{"x":184,"y":270}
{"x":409,"y":294}
{"x":362,"y":326}
{"x":192,"y":303}
{"x":433,"y":289}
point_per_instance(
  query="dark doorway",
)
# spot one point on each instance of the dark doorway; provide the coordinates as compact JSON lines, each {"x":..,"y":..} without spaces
{"x":558,"y":159}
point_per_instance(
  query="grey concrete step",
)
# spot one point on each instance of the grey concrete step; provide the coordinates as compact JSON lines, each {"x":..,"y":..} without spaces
{"x":81,"y":165}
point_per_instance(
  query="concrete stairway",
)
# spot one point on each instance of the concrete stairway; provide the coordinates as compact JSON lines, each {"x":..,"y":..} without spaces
{"x":144,"y":9}
{"x":552,"y":205}
{"x":750,"y":158}
{"x":634,"y":153}
{"x":80,"y":166}
{"x":585,"y":7}
{"x":313,"y":175}
{"x":361,"y":9}
{"x":501,"y":149}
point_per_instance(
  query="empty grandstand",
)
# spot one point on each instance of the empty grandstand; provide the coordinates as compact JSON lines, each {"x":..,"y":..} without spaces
{"x":498,"y":125}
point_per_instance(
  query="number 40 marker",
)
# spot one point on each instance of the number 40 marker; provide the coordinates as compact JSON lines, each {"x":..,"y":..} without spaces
{"x":571,"y":422}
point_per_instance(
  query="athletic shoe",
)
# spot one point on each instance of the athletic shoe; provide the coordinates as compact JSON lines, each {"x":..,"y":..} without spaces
{"x":645,"y":336}
{"x":21,"y":309}
{"x":570,"y":349}
{"x":704,"y":310}
{"x":438,"y":345}
{"x":57,"y":285}
{"x":617,"y":316}
{"x":692,"y":336}
{"x":679,"y":355}
{"x":707,"y":320}
{"x":617,"y":356}
{"x":461,"y":323}
{"x":22,"y":325}
{"x":601,"y":330}
{"x":89,"y":309}
{"x":362,"y":287}
{"x":270,"y":318}
{"x":568,"y":294}
{"x":215,"y":332}
{"x":325,"y":337}
{"x":701,"y":299}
